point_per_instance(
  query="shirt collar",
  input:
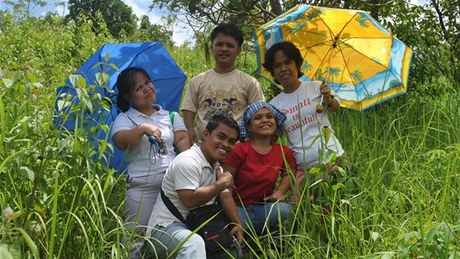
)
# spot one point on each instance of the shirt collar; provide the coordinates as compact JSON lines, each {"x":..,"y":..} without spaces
{"x":135,"y":113}
{"x":204,"y":161}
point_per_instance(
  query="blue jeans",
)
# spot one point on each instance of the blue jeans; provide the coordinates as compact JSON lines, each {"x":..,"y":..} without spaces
{"x":265,"y":216}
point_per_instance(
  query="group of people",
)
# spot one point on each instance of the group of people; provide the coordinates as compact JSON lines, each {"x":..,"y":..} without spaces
{"x":239,"y":164}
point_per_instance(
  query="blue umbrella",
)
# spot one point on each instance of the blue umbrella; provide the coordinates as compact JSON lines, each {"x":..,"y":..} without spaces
{"x":109,"y":61}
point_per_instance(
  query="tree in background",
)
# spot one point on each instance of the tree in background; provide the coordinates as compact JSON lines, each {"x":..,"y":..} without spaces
{"x":120,"y":20}
{"x":431,"y":28}
{"x":118,"y":16}
{"x":154,"y":32}
{"x":24,"y":8}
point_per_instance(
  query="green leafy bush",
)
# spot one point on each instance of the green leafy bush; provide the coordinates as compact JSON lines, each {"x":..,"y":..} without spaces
{"x":397,"y":196}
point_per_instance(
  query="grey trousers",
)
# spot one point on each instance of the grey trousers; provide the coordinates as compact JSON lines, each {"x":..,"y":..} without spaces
{"x":141,"y":195}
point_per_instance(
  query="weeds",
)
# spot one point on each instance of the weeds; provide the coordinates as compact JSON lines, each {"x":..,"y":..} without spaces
{"x":399,"y":199}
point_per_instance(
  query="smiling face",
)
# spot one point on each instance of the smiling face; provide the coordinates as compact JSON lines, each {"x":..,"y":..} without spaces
{"x":285,"y":71}
{"x":218,"y":143}
{"x":262,"y":123}
{"x":225,"y":49}
{"x":142,"y":92}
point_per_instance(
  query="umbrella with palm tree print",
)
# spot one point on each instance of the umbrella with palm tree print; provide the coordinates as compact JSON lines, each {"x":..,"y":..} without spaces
{"x":362,"y":62}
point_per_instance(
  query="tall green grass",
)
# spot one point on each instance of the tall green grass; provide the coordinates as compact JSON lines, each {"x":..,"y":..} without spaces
{"x":399,"y":199}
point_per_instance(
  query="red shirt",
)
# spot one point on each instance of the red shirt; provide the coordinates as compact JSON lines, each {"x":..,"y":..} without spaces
{"x":257,"y":174}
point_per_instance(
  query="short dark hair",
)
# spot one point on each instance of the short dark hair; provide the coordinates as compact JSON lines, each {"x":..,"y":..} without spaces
{"x":289,"y":49}
{"x":224,"y":118}
{"x":125,"y":83}
{"x":230,"y":30}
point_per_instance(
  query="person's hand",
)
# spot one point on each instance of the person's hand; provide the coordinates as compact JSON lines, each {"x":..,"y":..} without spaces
{"x":151,"y":130}
{"x":325,"y":90}
{"x":275,"y":196}
{"x":225,"y":178}
{"x":237,"y":231}
{"x":192,"y":135}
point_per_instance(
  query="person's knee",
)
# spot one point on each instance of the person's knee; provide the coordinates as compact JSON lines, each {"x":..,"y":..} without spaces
{"x":195,"y":242}
{"x":281,"y":213}
{"x":285,"y":210}
{"x":194,"y":247}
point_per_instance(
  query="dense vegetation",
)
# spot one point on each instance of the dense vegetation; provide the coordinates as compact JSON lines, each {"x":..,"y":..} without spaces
{"x":397,"y":196}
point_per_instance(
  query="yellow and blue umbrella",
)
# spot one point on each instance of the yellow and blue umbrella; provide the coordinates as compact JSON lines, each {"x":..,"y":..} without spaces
{"x":362,"y":62}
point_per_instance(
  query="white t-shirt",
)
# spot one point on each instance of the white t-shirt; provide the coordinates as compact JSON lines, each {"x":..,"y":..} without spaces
{"x":139,"y":158}
{"x":303,"y":124}
{"x":210,"y":91}
{"x":188,"y":171}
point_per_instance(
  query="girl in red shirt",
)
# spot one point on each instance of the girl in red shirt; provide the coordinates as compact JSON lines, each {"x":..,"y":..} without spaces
{"x":257,"y":162}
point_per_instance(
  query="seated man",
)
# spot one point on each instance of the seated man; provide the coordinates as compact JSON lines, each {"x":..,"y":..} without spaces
{"x":193,"y":180}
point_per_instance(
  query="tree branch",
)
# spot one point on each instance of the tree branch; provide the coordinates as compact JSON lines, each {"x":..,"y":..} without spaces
{"x":435,"y":4}
{"x":276,"y":7}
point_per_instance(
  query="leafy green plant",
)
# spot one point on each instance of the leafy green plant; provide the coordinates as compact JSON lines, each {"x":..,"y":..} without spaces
{"x":435,"y":240}
{"x":399,"y":198}
{"x":10,"y":233}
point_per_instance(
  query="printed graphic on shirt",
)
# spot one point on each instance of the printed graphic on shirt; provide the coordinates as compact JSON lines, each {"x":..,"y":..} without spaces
{"x":222,"y":100}
{"x":294,"y":119}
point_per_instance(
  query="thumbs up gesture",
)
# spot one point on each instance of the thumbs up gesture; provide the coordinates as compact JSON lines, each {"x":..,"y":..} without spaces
{"x":224,"y":177}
